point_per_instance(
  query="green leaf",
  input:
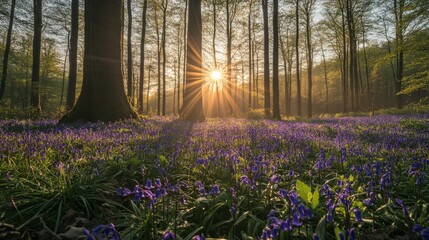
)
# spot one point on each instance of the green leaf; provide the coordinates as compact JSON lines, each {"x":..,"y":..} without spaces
{"x":337,"y":232}
{"x":321,"y":227}
{"x":315,"y":200}
{"x":303,"y":190}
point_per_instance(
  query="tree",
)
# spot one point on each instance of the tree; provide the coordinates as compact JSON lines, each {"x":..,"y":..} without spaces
{"x":7,"y":50}
{"x":308,"y":11}
{"x":71,"y":90}
{"x":276,"y":92}
{"x":298,"y":80}
{"x":102,"y":97}
{"x":164,"y":58}
{"x":142,"y":55}
{"x":266,"y":60}
{"x":37,"y":41}
{"x":129,"y":52}
{"x":192,"y":108}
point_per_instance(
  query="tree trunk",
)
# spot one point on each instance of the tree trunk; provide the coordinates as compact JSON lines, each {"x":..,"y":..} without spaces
{"x":325,"y":73}
{"x":344,"y":65}
{"x":249,"y":39}
{"x":129,"y":52}
{"x":71,"y":89}
{"x":102,"y":97}
{"x":7,"y":50}
{"x":267,"y":104}
{"x":276,"y":91}
{"x":399,"y":6}
{"x":192,"y":108}
{"x":158,"y":48}
{"x":229,"y":58}
{"x":37,"y":38}
{"x":142,"y":56}
{"x":308,"y":9}
{"x":298,"y":79}
{"x":164,"y":58}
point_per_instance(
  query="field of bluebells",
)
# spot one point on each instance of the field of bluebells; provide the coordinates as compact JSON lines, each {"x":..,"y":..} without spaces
{"x":162,"y":178}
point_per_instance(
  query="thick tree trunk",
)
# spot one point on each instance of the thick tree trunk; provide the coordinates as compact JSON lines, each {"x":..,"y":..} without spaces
{"x":102,"y":97}
{"x":267,"y":99}
{"x":276,"y":91}
{"x":142,"y":56}
{"x":7,"y":50}
{"x":192,"y":108}
{"x":37,"y":40}
{"x":71,"y":89}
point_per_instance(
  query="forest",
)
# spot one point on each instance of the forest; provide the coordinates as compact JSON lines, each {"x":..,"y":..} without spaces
{"x":214,"y":119}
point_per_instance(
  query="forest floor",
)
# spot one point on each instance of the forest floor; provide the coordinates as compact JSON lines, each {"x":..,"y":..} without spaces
{"x":161,"y":178}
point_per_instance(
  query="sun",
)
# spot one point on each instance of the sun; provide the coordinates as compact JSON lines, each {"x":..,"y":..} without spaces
{"x":216,"y":76}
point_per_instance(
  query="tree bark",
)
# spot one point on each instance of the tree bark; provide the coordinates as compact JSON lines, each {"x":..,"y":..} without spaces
{"x":74,"y":35}
{"x":129,"y":52}
{"x":192,"y":108}
{"x":276,"y":91}
{"x":298,"y":79}
{"x":37,"y":40}
{"x":102,"y":97}
{"x":267,"y":104}
{"x":164,"y":58}
{"x":7,"y":50}
{"x":142,"y":56}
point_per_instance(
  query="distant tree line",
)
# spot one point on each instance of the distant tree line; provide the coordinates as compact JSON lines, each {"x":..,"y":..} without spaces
{"x":287,"y":57}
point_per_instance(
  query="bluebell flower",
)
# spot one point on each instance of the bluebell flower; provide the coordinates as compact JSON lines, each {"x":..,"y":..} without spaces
{"x":358,"y":215}
{"x":158,"y":183}
{"x":126,"y":192}
{"x":424,"y":233}
{"x":168,"y":235}
{"x":285,"y":225}
{"x":295,"y":220}
{"x":198,"y":237}
{"x":368,"y":202}
{"x":352,"y":234}
{"x":202,"y":191}
{"x":283,"y":193}
{"x":315,"y":237}
{"x":88,"y":234}
{"x":118,"y":191}
{"x":148,"y":184}
{"x":341,"y":236}
{"x":271,"y":213}
{"x":233,"y":210}
{"x":215,"y":190}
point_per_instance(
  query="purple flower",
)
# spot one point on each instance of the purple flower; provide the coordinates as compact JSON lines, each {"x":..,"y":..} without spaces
{"x":233,"y":210}
{"x":215,"y":190}
{"x":119,"y":191}
{"x":157,"y":182}
{"x":198,"y":237}
{"x":315,"y":237}
{"x":275,"y":179}
{"x":352,"y":234}
{"x":126,"y":192}
{"x":148,"y":184}
{"x":202,"y":191}
{"x":358,"y":215}
{"x":295,"y":220}
{"x":168,"y":235}
{"x":285,"y":225}
{"x":283,"y":193}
